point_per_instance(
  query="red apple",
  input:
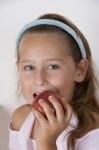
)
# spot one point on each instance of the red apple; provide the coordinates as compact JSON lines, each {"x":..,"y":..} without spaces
{"x":45,"y":96}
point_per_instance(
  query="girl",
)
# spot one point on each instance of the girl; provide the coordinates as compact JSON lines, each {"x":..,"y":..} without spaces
{"x":52,"y":54}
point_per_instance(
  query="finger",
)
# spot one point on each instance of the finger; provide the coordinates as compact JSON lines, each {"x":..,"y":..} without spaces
{"x":49,"y":112}
{"x":39,"y":116}
{"x":68,"y":112}
{"x":58,"y":108}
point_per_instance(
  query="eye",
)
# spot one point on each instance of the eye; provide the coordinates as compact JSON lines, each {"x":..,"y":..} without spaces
{"x":29,"y":67}
{"x":53,"y":66}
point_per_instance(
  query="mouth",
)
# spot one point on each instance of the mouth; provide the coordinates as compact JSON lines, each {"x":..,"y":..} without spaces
{"x":35,"y":95}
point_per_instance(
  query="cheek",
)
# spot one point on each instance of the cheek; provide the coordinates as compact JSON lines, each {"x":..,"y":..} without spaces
{"x":25,"y":82}
{"x":62,"y":79}
{"x":65,"y":83}
{"x":65,"y":86}
{"x":26,"y":89}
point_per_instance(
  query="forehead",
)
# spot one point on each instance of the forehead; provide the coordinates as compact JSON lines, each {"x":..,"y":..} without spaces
{"x":48,"y":41}
{"x":41,"y":48}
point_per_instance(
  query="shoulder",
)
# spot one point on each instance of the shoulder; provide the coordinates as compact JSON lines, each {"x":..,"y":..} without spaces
{"x":89,"y":141}
{"x":20,"y":115}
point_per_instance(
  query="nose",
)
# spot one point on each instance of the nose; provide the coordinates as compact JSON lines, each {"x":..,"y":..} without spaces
{"x":40,"y":78}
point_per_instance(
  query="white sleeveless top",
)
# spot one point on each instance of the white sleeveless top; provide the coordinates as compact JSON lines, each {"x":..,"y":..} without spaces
{"x":20,"y":140}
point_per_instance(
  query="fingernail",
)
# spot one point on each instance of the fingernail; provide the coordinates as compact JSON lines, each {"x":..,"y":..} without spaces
{"x":41,"y":101}
{"x":51,"y":98}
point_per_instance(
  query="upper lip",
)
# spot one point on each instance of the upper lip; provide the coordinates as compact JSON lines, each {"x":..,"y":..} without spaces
{"x":38,"y":92}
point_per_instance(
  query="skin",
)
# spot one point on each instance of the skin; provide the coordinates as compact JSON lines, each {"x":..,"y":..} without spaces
{"x":46,"y":64}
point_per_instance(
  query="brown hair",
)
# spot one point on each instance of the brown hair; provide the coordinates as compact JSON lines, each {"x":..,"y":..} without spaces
{"x":84,"y":101}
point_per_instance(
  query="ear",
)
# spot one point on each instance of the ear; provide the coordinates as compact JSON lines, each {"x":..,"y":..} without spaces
{"x":82,"y":68}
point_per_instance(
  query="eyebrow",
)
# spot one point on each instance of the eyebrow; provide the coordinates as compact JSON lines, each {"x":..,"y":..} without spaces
{"x":55,"y":59}
{"x":49,"y":59}
{"x":26,"y":60}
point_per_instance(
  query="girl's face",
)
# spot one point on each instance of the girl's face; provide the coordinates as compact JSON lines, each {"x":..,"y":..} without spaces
{"x":45,"y":64}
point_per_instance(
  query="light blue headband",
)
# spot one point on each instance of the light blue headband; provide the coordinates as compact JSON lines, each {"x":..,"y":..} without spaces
{"x":56,"y":23}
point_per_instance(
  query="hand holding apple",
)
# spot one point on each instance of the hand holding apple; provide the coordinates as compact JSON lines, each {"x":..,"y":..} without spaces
{"x":49,"y":125}
{"x":44,"y":95}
